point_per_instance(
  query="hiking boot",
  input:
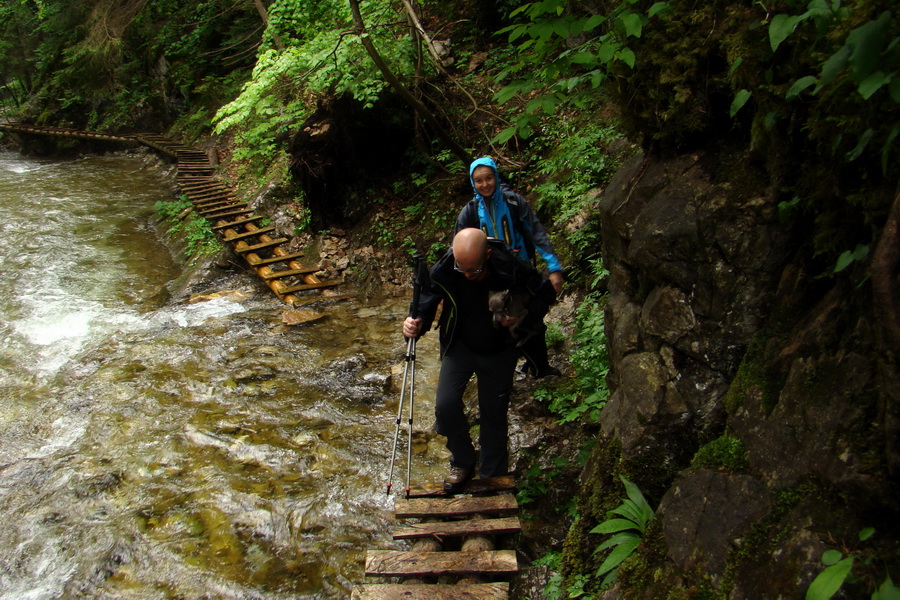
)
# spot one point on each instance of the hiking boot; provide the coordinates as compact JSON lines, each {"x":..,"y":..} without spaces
{"x":548,"y":372}
{"x":456,"y":480}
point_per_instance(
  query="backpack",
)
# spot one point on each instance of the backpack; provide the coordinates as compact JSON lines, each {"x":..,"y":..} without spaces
{"x":514,"y":202}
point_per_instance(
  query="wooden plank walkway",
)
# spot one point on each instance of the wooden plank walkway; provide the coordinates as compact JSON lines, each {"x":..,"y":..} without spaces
{"x":454,"y":556}
{"x":231,"y":218}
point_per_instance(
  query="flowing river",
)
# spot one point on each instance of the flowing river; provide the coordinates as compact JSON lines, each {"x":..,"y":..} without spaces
{"x":152,"y":449}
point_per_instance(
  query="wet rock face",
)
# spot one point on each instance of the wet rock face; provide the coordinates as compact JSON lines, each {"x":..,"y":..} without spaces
{"x":713,"y":327}
{"x":700,"y":525}
{"x":692,"y":263}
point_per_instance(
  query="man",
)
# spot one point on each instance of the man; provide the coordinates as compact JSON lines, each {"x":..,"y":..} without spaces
{"x":470,"y":344}
{"x":505,"y":215}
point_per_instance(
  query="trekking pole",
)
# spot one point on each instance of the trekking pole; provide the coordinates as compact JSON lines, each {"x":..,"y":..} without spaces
{"x":420,"y":275}
{"x":418,"y":281}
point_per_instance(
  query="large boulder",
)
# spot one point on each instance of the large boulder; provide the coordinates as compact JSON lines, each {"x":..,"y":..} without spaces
{"x":692,"y":263}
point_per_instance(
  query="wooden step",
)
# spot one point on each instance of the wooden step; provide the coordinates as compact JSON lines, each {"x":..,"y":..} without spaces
{"x":442,"y":529}
{"x":460,"y":506}
{"x":237,"y":223}
{"x":504,"y":483}
{"x":210,"y":196}
{"x":399,"y":591}
{"x":202,"y":183}
{"x":392,"y":563}
{"x":289,"y":272}
{"x":247,"y":234}
{"x":201,"y":206}
{"x":211,"y":211}
{"x":275,"y":259}
{"x":310,"y":286}
{"x":232,"y":213}
{"x":262,"y":245}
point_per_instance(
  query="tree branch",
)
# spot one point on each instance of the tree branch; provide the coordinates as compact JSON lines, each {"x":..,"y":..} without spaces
{"x":363,"y":35}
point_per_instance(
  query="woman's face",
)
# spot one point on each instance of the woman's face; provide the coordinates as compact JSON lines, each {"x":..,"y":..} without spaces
{"x":484,"y":180}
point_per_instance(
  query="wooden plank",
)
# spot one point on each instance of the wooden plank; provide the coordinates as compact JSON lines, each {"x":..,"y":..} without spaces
{"x":458,"y":506}
{"x":399,"y":591}
{"x":442,"y":529}
{"x":211,"y":205}
{"x":289,"y":272}
{"x":310,"y":286}
{"x":237,"y":223}
{"x":213,"y":212}
{"x":210,"y":196}
{"x":275,"y":259}
{"x":391,"y":563}
{"x":247,"y":234}
{"x":261,"y":246}
{"x":504,"y":483}
{"x":232,"y":213}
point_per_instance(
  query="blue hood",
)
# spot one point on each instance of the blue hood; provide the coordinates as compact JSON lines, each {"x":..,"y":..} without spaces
{"x":486,"y":161}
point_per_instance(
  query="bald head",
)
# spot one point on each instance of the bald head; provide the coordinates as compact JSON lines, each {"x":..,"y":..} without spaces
{"x":470,"y":249}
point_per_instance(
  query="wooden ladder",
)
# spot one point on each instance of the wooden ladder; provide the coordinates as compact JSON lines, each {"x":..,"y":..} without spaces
{"x":486,"y":509}
{"x":229,"y":216}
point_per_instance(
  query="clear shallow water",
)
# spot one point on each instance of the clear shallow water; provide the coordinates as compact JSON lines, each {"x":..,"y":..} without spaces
{"x":159,"y":450}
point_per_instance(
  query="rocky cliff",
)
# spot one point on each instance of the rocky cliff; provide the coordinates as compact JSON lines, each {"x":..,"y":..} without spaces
{"x":754,"y":397}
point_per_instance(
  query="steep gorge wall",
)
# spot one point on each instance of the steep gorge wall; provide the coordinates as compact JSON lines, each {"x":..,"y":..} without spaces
{"x":751,"y":400}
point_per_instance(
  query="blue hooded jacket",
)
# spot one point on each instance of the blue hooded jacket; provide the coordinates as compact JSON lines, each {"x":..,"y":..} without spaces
{"x":507,"y":216}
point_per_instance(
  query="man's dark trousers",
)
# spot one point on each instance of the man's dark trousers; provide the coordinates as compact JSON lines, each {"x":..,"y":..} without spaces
{"x":494,"y":373}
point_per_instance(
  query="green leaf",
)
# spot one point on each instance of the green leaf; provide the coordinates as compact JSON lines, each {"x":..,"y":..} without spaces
{"x":887,"y":590}
{"x":606,"y":52}
{"x":829,"y":581}
{"x":645,"y":513}
{"x":584,"y":58}
{"x":831,"y":557}
{"x":737,"y":63}
{"x":800,"y":85}
{"x":867,"y":42}
{"x":505,"y":135}
{"x":886,"y":149}
{"x":617,"y":539}
{"x":845,"y":260}
{"x":626,"y":55}
{"x":780,"y":28}
{"x":786,"y":208}
{"x":629,"y":511}
{"x":740,"y":100}
{"x":660,"y":8}
{"x":873,"y":83}
{"x":619,"y":553}
{"x":633,"y":24}
{"x":864,"y":140}
{"x":593,"y":22}
{"x":613,"y":525}
{"x":866,"y":533}
{"x":833,"y":66}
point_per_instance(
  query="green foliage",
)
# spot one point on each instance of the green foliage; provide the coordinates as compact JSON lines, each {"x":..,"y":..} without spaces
{"x":553,"y":72}
{"x":725,"y":451}
{"x":554,"y":335}
{"x":573,"y":155}
{"x":839,"y":570}
{"x":104,"y":64}
{"x":198,"y":235}
{"x":318,"y":60}
{"x":634,"y":514}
